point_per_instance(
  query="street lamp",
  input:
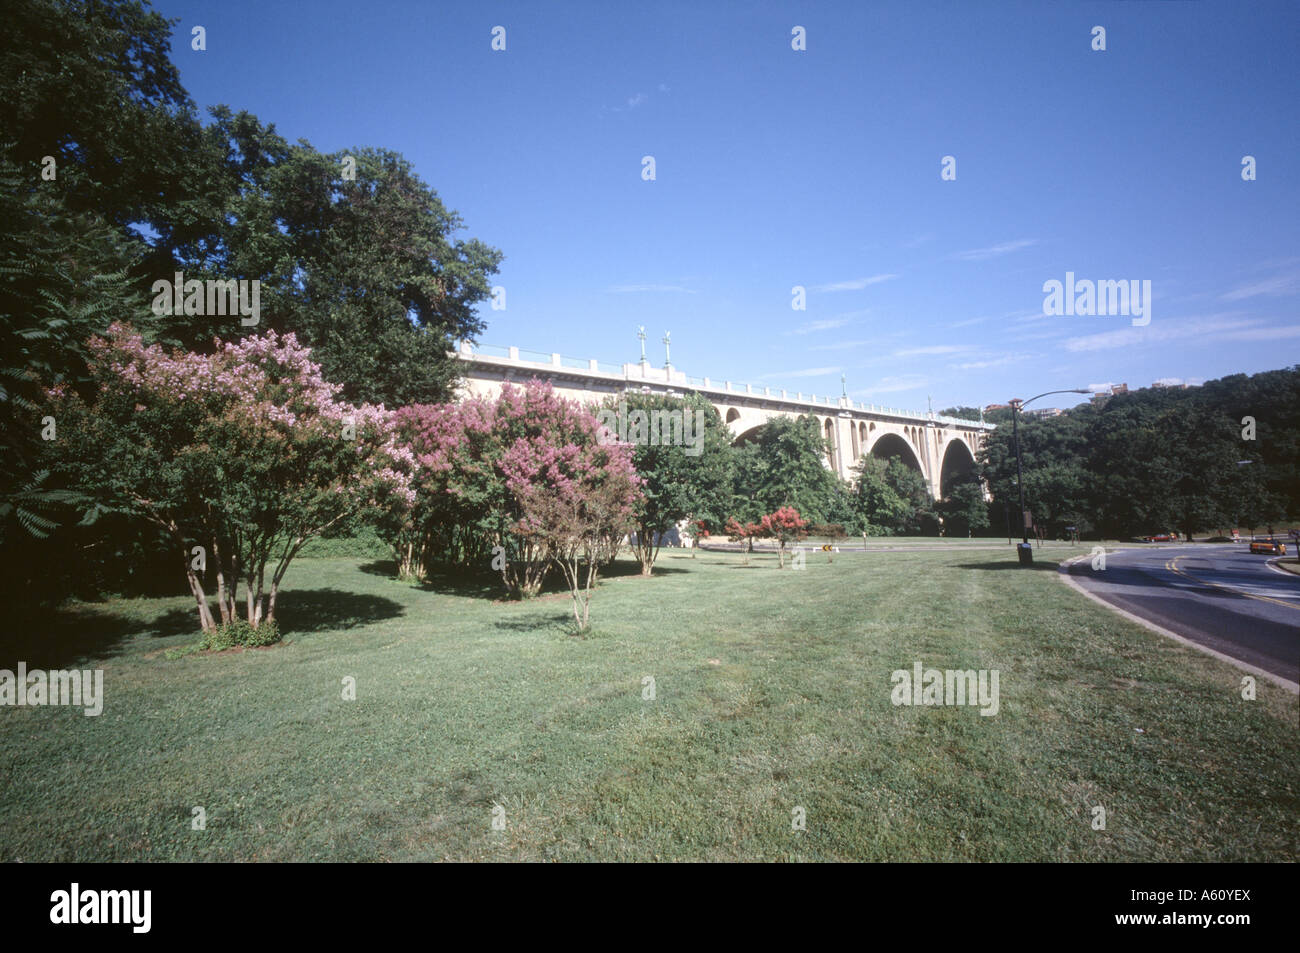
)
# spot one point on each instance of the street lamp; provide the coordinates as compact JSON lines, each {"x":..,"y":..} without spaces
{"x":1025,"y":551}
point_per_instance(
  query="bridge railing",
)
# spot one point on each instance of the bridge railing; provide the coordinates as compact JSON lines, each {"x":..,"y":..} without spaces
{"x":536,"y":357}
{"x":733,"y":387}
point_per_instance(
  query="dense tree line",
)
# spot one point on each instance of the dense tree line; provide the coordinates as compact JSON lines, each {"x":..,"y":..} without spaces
{"x":1196,"y":460}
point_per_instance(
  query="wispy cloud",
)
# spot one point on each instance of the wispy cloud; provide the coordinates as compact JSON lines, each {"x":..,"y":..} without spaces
{"x":841,"y":345}
{"x":1208,"y":330}
{"x":633,"y":101}
{"x":804,"y":372}
{"x":932,"y":349}
{"x":829,"y":324}
{"x":918,"y":241}
{"x":891,"y":385}
{"x":826,"y":324}
{"x":1279,"y":285}
{"x":856,"y":284}
{"x":637,"y":289}
{"x":1275,"y":333}
{"x":1026,"y":314}
{"x":995,"y":251}
{"x":991,"y":362}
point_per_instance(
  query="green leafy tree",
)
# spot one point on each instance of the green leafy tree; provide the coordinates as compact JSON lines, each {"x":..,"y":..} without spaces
{"x":1059,"y":484}
{"x":91,"y":84}
{"x":919,"y":516}
{"x":964,"y":510}
{"x":353,"y":251}
{"x":879,"y":510}
{"x":784,"y":465}
{"x":682,"y":478}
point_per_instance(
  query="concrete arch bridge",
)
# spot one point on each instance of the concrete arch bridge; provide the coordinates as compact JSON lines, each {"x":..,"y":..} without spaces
{"x":940,"y":448}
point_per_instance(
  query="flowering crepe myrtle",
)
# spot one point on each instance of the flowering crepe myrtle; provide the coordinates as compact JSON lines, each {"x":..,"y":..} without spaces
{"x":246,"y":450}
{"x":482,"y":467}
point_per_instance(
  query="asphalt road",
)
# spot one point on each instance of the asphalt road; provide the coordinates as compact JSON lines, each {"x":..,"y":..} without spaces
{"x":1216,"y":595}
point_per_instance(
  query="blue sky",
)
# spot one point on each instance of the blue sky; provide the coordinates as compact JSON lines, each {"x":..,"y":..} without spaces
{"x":821,"y":168}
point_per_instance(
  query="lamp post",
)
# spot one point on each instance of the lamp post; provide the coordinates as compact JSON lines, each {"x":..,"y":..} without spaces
{"x":1024,"y":550}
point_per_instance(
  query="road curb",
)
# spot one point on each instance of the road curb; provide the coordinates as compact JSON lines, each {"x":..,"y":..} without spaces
{"x":1273,"y":565}
{"x":1064,"y":573}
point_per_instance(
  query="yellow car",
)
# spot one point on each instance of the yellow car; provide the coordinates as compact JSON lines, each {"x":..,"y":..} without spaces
{"x":1268,"y":548}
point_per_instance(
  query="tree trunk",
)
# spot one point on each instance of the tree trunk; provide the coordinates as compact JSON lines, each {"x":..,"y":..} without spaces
{"x":225,"y":598}
{"x":278,"y":575}
{"x":196,"y":587}
{"x":261,"y":598}
{"x":645,"y":549}
{"x":249,"y":589}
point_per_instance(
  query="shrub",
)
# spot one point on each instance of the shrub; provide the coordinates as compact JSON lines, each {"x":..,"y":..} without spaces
{"x":478,"y":468}
{"x":238,"y":456}
{"x":238,"y":632}
{"x":785,"y":525}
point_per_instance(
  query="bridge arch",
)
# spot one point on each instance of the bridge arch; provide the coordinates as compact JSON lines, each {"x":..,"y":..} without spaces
{"x":889,"y":444}
{"x":958,"y":466}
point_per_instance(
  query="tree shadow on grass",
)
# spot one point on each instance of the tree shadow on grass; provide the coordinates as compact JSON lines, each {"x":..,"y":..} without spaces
{"x":628,"y":568}
{"x":72,"y":633}
{"x":477,"y":585}
{"x":1042,"y":566}
{"x":97,"y":631}
{"x":488,"y":585}
{"x":317,"y":610}
{"x":561,"y":622}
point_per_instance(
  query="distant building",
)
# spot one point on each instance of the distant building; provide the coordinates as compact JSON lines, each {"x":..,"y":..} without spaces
{"x":1114,"y":389}
{"x":1045,"y":412}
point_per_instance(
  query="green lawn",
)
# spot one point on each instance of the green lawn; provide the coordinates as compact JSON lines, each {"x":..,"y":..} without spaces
{"x":773,"y":692}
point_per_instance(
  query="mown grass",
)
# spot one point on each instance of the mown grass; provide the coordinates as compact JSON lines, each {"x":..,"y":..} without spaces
{"x":772,"y":692}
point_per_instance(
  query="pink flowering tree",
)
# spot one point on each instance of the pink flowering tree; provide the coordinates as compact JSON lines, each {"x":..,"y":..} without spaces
{"x":452,"y":479}
{"x":575,"y":498}
{"x":482,"y":468}
{"x":240,"y":455}
{"x":785,"y":526}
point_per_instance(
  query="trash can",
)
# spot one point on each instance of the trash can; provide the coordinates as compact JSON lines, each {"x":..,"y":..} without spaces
{"x":1026,"y":553}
